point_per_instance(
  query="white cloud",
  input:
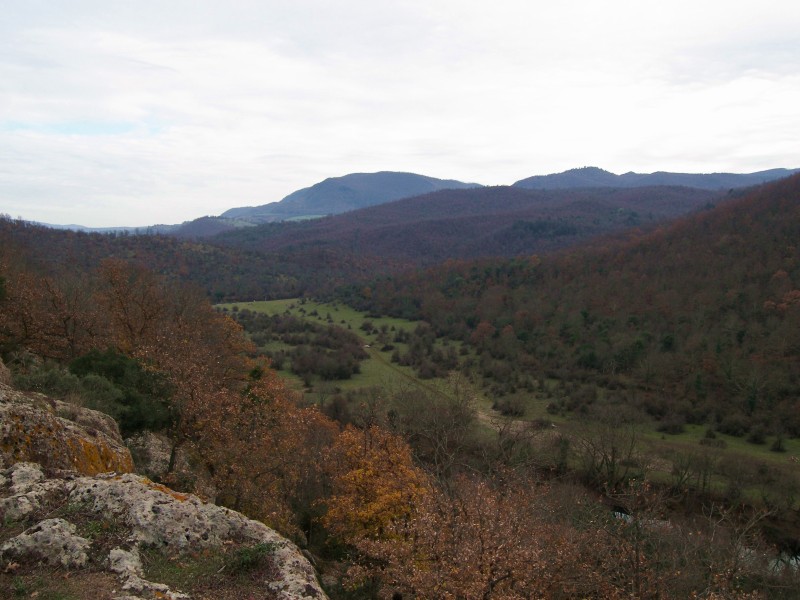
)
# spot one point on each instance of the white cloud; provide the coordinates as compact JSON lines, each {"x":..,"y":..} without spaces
{"x":145,"y":112}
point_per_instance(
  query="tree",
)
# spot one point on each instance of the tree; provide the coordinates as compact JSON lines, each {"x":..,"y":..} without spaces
{"x":374,"y":484}
{"x":483,"y":539}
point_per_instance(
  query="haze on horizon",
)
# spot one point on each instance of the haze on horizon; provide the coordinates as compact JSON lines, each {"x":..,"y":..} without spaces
{"x":131,"y":114}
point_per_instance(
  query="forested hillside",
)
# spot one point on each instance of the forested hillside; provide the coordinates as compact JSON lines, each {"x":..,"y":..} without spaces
{"x":282,"y":260}
{"x":699,"y":320}
{"x":483,"y":222}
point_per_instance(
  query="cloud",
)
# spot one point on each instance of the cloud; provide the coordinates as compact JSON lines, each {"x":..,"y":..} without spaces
{"x":137,"y":113}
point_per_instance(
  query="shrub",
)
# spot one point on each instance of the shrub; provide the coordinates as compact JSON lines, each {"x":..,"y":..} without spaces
{"x":119,"y":386}
{"x":735,"y":424}
{"x":758,"y":435}
{"x":511,"y":406}
{"x":48,"y":378}
{"x":672,"y":424}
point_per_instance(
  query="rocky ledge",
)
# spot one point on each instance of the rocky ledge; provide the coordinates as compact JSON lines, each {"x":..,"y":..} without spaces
{"x":78,"y":523}
{"x":108,"y":522}
{"x":59,"y":435}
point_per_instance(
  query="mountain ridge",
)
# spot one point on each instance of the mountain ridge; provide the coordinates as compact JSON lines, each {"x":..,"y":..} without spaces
{"x":349,"y":192}
{"x":353,"y":191}
{"x":597,"y":177}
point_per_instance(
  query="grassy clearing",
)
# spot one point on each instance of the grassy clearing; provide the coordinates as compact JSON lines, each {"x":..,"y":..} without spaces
{"x":376,"y":371}
{"x":225,"y":573}
{"x":340,"y":314}
{"x":694,"y":434}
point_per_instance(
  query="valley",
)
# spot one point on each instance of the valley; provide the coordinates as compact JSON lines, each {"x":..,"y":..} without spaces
{"x":566,"y":369}
{"x":764,"y":477}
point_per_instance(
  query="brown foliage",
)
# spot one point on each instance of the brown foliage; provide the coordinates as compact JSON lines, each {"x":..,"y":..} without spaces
{"x":374,"y":484}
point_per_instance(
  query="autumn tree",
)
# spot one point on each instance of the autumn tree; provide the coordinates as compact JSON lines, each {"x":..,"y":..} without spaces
{"x":264,"y":450}
{"x":484,"y":539}
{"x":374,"y":484}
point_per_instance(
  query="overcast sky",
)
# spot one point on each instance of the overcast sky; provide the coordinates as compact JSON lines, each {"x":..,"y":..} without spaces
{"x":141,"y":112}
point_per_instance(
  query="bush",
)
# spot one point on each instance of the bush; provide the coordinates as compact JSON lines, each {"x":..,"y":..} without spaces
{"x":119,"y":386}
{"x":672,"y":424}
{"x":736,"y":425}
{"x":48,"y":378}
{"x":758,"y":435}
{"x":252,"y":557}
{"x":512,"y":406}
{"x":778,"y":445}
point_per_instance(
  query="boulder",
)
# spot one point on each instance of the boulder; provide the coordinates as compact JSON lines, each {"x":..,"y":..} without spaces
{"x":52,"y":541}
{"x":59,"y":435}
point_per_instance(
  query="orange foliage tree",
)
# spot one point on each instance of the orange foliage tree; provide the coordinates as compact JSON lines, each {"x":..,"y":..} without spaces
{"x":375,"y":485}
{"x":480,"y":541}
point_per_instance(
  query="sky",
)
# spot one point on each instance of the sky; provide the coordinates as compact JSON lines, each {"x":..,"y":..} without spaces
{"x":133,"y":113}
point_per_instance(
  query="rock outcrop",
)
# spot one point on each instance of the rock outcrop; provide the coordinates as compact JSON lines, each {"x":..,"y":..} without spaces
{"x":145,"y":517}
{"x":59,"y":435}
{"x":70,"y":502}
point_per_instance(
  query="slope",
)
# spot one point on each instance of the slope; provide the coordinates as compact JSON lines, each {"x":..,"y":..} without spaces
{"x":341,"y":194}
{"x":471,"y":223}
{"x":699,"y":321}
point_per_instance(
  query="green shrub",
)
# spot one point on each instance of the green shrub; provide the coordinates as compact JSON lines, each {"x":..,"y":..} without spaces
{"x":118,"y":385}
{"x":250,"y":558}
{"x":48,"y":378}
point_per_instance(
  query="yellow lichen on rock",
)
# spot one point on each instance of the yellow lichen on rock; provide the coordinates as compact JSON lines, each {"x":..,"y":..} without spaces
{"x":30,"y":430}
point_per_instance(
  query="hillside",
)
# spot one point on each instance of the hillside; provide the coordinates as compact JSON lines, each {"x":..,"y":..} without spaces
{"x":472,"y":223}
{"x":699,"y":320}
{"x":279,"y":260}
{"x":341,"y":194}
{"x":595,"y":177}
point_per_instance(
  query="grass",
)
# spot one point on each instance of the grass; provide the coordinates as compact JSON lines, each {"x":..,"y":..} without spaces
{"x":693,"y":434}
{"x":226,"y":573}
{"x":376,"y":371}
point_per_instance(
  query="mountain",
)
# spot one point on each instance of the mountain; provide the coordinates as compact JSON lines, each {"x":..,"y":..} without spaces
{"x":596,"y":177}
{"x":472,"y":223}
{"x":341,"y":194}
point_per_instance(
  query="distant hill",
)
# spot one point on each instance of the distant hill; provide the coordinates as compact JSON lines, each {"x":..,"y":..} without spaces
{"x":472,"y":223}
{"x":588,"y":177}
{"x":341,"y":194}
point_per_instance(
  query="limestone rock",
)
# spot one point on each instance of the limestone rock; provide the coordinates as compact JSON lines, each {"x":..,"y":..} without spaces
{"x":52,"y":541}
{"x":58,"y":435}
{"x":151,"y":516}
{"x":175,"y":522}
{"x":28,"y":490}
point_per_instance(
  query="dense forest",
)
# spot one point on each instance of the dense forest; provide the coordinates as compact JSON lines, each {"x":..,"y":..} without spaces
{"x":690,"y":322}
{"x":290,"y":259}
{"x":699,"y":319}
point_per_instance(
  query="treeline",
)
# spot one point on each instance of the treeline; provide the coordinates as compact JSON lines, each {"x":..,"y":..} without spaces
{"x":698,"y":320}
